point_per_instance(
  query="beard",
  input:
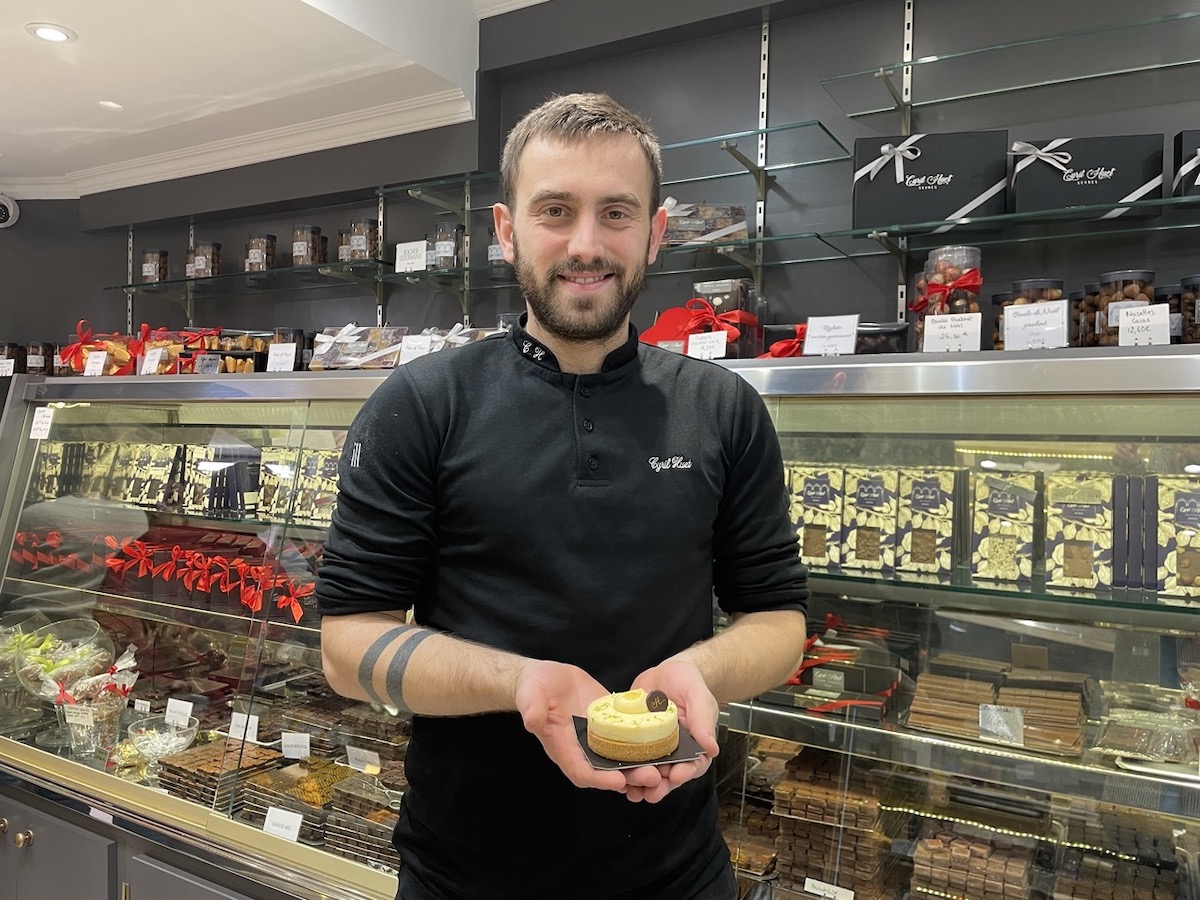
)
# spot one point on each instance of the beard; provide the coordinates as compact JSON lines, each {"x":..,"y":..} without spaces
{"x":593,"y":317}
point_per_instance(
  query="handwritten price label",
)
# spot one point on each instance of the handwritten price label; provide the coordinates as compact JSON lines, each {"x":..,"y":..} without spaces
{"x":954,"y":333}
{"x":1144,"y":326}
{"x":831,"y":335}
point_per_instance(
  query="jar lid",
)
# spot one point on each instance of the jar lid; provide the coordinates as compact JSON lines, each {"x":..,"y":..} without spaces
{"x":1075,"y":295}
{"x":316,"y":229}
{"x":152,"y":250}
{"x":1190,"y":280}
{"x":216,"y":244}
{"x":342,"y":231}
{"x":371,"y":222}
{"x":1093,"y":288}
{"x":1025,"y":284}
{"x":263,"y":236}
{"x":1003,"y":297}
{"x":1127,"y":275}
{"x":882,"y":327}
{"x":1166,"y":290}
{"x":953,"y":248}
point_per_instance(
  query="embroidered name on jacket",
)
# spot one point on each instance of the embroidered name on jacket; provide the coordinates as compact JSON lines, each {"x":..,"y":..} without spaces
{"x":661,"y":463}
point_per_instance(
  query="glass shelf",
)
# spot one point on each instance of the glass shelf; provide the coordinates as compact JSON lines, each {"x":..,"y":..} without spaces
{"x":790,"y":146}
{"x":1143,"y":45}
{"x":357,"y":274}
{"x":441,"y":187}
{"x":994,"y":763}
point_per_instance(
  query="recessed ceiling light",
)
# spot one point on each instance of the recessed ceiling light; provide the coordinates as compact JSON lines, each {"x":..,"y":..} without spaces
{"x":55,"y":34}
{"x":110,"y":104}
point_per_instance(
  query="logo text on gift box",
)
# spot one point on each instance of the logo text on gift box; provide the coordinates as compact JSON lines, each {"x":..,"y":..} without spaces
{"x":1089,"y":176}
{"x":927,"y":182}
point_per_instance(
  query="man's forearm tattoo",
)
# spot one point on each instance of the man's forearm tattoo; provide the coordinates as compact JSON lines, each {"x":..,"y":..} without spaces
{"x":394,"y":679}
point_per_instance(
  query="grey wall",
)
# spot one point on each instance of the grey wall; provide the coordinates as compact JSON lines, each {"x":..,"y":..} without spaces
{"x":693,"y":69}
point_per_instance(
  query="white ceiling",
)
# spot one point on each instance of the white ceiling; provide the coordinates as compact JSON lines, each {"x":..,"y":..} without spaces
{"x":214,"y":84}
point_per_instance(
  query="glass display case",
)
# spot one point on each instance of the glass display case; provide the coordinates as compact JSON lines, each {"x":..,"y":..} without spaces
{"x":999,"y":694}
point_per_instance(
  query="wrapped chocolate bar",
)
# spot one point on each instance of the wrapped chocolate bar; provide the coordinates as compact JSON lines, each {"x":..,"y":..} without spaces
{"x":1079,"y":529}
{"x":817,"y":498}
{"x":356,"y":347}
{"x":869,"y":518}
{"x":1005,"y":525}
{"x":704,"y":223}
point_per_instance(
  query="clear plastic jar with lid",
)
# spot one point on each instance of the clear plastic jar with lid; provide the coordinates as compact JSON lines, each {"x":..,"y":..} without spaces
{"x":999,"y":303}
{"x":1189,"y":295}
{"x":1172,"y":295}
{"x":364,"y":238}
{"x":1119,"y":290}
{"x":39,"y":358}
{"x":260,"y":252}
{"x":154,"y":266}
{"x":1039,"y":290}
{"x":1089,"y":315}
{"x":189,"y":265}
{"x":448,"y":247}
{"x":11,"y":350}
{"x":306,"y":245}
{"x":208,"y":259}
{"x":343,"y":245}
{"x":951,"y":285}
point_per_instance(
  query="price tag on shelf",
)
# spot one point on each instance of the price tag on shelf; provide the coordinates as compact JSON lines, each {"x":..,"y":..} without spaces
{"x":95,"y":364}
{"x":831,"y":335}
{"x":7,"y":367}
{"x":178,"y":712}
{"x":243,"y":727}
{"x":42,"y":417}
{"x":283,"y":823}
{"x":1002,"y":724}
{"x":826,"y":890}
{"x":141,"y":706}
{"x":100,"y":815}
{"x":151,"y":361}
{"x":366,"y":761}
{"x":410,"y":256}
{"x":296,"y":745}
{"x":281,"y":358}
{"x":710,"y":345}
{"x":1035,"y":326}
{"x":953,"y":333}
{"x":78,"y":715}
{"x":1144,"y":326}
{"x":206,"y":364}
{"x":414,"y":345}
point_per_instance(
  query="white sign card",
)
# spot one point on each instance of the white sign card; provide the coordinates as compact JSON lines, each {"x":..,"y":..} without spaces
{"x":710,"y":345}
{"x":1142,"y":326}
{"x":296,"y":745}
{"x":1035,"y":326}
{"x":78,"y":715}
{"x":281,"y":358}
{"x":954,"y":333}
{"x":410,"y":256}
{"x":7,"y":367}
{"x":100,"y":815}
{"x":151,"y":360}
{"x":95,"y":364}
{"x":283,"y":823}
{"x":42,"y":417}
{"x":363,"y":760}
{"x":826,"y":890}
{"x":206,"y":364}
{"x":141,"y":706}
{"x":414,"y":345}
{"x":243,"y":727}
{"x":178,"y":712}
{"x":831,"y":335}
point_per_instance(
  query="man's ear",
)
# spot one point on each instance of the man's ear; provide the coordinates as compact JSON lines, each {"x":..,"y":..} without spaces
{"x":658,"y":227}
{"x":502,"y":217}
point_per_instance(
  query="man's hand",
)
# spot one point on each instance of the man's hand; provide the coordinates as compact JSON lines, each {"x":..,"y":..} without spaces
{"x":548,"y":694}
{"x":682,"y":682}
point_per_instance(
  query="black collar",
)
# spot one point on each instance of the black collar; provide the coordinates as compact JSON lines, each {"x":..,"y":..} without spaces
{"x":539,"y":354}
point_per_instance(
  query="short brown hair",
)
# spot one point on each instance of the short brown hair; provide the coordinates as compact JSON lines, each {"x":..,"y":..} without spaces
{"x":571,"y":117}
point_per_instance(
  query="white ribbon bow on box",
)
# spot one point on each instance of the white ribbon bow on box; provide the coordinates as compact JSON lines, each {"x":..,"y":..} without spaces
{"x":889,"y":152}
{"x":1059,"y":160}
{"x":1186,"y":169}
{"x":347,"y":335}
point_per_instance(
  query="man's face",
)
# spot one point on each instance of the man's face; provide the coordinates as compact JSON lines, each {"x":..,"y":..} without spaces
{"x":581,"y":233}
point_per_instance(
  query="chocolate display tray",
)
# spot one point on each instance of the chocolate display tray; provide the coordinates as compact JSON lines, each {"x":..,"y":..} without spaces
{"x":688,"y":749}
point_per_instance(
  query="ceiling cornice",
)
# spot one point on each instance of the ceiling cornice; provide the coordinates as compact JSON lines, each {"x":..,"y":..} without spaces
{"x":33,"y":188}
{"x":388,"y":120}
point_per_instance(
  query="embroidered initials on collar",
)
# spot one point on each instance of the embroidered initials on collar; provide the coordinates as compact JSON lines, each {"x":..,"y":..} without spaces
{"x":537,"y":351}
{"x":662,"y":463}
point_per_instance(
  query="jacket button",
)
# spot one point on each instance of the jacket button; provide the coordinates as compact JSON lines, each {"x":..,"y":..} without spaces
{"x":587,"y":425}
{"x":593,"y":463}
{"x":585,"y":392}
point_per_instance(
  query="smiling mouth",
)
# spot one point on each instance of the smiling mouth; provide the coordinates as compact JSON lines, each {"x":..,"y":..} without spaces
{"x":585,"y":279}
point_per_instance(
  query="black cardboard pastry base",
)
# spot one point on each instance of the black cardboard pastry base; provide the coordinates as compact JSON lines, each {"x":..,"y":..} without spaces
{"x":688,"y":749}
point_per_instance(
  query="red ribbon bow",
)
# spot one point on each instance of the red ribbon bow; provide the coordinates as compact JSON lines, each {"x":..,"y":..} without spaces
{"x":788,"y":347}
{"x":63,"y":696}
{"x":262,"y":578}
{"x":198,"y":575}
{"x":142,"y":556}
{"x":72,"y":354}
{"x":936,"y":294}
{"x":705,"y":318}
{"x":194,"y":340}
{"x":290,"y":598}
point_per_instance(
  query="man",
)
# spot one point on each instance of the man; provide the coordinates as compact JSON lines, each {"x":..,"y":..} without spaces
{"x":557,"y":506}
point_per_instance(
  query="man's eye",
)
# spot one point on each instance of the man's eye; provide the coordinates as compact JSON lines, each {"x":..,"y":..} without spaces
{"x":617,"y":214}
{"x":555,"y":211}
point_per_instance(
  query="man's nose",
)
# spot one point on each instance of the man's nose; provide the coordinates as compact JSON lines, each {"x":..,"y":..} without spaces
{"x":585,"y":242}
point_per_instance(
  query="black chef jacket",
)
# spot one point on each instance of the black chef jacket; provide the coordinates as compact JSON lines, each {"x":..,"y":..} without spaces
{"x":581,"y":518}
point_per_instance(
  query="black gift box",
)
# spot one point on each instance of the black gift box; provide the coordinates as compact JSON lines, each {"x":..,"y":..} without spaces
{"x":1187,"y":164}
{"x":929,"y":177}
{"x":1088,"y":171}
